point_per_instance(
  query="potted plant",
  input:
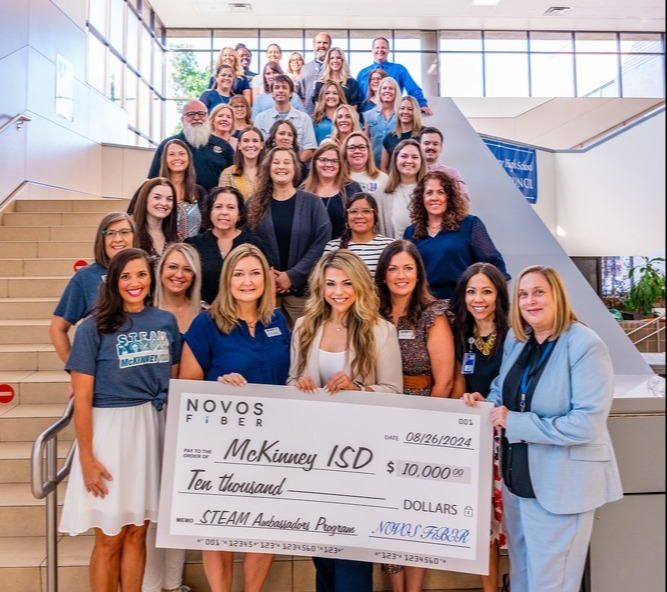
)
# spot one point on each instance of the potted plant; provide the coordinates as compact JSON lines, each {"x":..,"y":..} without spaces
{"x":649,"y":290}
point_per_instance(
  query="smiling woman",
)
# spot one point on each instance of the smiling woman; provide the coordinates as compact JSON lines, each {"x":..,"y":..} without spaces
{"x":224,"y":220}
{"x":121,"y":361}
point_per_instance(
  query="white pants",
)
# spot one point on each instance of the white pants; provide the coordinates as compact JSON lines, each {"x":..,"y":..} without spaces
{"x":164,"y":567}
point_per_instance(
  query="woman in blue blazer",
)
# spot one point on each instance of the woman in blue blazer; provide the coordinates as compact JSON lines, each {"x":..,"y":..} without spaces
{"x":552,"y":399}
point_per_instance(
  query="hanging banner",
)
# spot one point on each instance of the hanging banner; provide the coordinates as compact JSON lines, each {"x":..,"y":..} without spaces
{"x":520,"y":164}
{"x":373,"y":477}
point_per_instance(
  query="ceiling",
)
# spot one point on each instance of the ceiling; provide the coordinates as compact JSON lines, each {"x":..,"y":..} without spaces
{"x":585,"y":15}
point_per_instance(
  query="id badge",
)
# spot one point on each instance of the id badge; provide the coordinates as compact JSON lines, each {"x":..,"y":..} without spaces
{"x":406,"y":334}
{"x":468,"y":363}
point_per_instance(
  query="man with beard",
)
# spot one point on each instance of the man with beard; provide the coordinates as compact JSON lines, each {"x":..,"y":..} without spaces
{"x":312,"y":71}
{"x":430,"y":139}
{"x":210,"y":154}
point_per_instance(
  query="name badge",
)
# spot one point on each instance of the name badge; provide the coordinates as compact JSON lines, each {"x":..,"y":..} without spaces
{"x":468,"y":363}
{"x":273,"y":332}
{"x":406,"y":334}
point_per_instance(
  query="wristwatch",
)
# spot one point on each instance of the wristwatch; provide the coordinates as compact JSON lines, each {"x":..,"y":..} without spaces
{"x":360,"y":384}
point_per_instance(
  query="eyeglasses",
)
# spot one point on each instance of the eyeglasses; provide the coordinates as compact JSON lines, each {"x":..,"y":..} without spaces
{"x":328,"y":160}
{"x":193,"y":114}
{"x":114,"y":233}
{"x":184,"y":270}
{"x":357,"y":148}
{"x":363,"y":212}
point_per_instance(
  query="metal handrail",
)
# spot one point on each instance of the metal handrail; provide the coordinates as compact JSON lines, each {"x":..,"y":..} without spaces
{"x":17,"y":119}
{"x":657,"y":332}
{"x":646,"y":324}
{"x":48,"y":441}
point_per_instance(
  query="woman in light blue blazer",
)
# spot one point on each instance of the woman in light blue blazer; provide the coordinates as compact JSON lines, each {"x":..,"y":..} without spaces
{"x":552,"y":399}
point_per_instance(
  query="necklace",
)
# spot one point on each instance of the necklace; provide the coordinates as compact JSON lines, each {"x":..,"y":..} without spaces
{"x":484,"y":345}
{"x":338,"y":326}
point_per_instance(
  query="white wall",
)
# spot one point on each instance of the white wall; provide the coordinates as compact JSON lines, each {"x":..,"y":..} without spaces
{"x":610,"y":199}
{"x":50,"y":149}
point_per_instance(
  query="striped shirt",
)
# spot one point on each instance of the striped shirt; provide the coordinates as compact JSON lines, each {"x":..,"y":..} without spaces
{"x":368,"y":252}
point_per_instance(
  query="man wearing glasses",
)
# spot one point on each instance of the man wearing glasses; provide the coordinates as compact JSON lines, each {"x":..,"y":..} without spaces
{"x":210,"y":154}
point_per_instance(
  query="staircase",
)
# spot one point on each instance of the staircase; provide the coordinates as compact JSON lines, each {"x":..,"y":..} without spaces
{"x":41,"y":240}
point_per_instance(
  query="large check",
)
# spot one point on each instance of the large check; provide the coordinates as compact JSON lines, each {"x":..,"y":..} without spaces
{"x":373,"y":477}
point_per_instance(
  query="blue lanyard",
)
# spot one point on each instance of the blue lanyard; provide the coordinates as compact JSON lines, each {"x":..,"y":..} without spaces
{"x":528,"y":376}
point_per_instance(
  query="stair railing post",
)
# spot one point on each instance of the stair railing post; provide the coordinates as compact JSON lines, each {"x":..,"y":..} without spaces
{"x":52,"y":516}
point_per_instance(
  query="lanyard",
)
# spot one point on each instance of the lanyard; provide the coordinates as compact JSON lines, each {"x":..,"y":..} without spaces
{"x":528,"y":376}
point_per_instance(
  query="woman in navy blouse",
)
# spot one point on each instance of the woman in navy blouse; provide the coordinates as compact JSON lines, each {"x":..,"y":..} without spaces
{"x":448,"y":238}
{"x":240,"y":339}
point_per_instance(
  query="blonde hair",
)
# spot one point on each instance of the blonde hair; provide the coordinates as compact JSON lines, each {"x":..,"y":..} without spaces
{"x":416,"y":117}
{"x":371,"y":168}
{"x":344,"y":70}
{"x":224,"y":310}
{"x":564,"y":315}
{"x":320,"y":106}
{"x":237,"y":67}
{"x":355,"y":122}
{"x":292,"y":56}
{"x":362,"y":317}
{"x":219,"y":108}
{"x":397,"y":89}
{"x":193,"y":293}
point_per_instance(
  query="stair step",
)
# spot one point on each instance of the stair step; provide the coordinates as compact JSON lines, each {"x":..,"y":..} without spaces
{"x":21,"y":514}
{"x":63,"y":266}
{"x":36,"y":388}
{"x":34,"y":287}
{"x":15,"y":461}
{"x":29,"y":356}
{"x":72,"y":205}
{"x":31,"y":249}
{"x":70,"y":219}
{"x":45,"y":233}
{"x":14,"y":331}
{"x":27,"y":308}
{"x":24,"y":422}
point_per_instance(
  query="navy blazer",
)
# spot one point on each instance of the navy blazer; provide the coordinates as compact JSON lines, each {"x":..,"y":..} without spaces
{"x":572,"y":463}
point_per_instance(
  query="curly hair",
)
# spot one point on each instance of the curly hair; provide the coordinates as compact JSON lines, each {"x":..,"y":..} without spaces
{"x":361,"y":318}
{"x":457,"y":206}
{"x":420,"y":299}
{"x":237,"y":67}
{"x":260,"y":202}
{"x":464,"y":324}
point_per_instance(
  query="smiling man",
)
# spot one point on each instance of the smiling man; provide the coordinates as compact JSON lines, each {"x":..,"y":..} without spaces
{"x":398,"y":72}
{"x":282,"y":89}
{"x":430,"y":140}
{"x":210,"y":154}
